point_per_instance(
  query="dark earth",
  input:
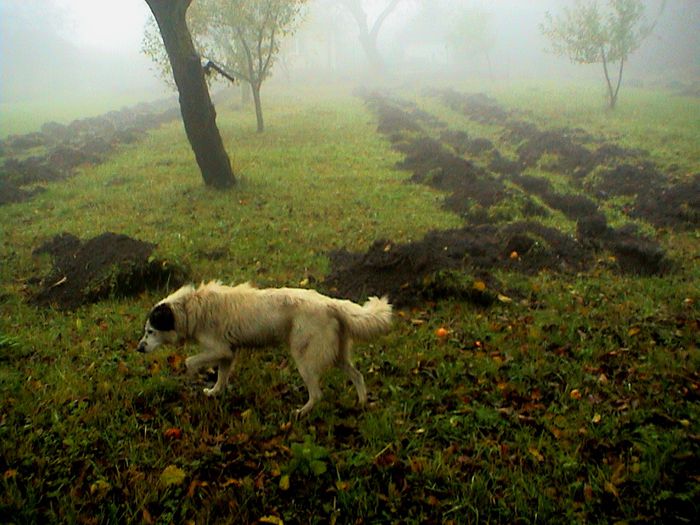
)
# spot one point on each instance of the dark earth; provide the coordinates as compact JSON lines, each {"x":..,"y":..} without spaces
{"x":109,"y":265}
{"x":476,"y":176}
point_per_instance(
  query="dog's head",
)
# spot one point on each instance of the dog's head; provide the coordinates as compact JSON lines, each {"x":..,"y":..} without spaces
{"x":159,"y":329}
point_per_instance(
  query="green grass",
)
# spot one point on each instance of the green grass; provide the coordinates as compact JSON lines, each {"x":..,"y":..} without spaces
{"x":576,"y":402}
{"x":27,"y":116}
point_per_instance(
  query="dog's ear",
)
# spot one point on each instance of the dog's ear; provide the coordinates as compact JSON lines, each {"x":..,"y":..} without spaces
{"x":162,"y":318}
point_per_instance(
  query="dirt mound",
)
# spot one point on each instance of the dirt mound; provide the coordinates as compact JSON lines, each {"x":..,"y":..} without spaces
{"x":629,"y":179}
{"x":408,"y":273}
{"x":478,"y":107}
{"x":676,"y":206}
{"x":10,"y":192}
{"x":448,"y":263}
{"x":57,"y":150}
{"x":107,"y":265}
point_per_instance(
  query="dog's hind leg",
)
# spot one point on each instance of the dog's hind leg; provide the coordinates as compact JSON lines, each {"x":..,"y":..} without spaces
{"x":312,"y":382}
{"x":313,"y":346}
{"x":345,"y":364}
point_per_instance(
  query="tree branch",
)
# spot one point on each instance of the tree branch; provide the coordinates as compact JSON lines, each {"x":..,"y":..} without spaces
{"x":382,"y":17}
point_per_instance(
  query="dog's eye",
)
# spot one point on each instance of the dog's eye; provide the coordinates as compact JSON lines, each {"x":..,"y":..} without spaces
{"x":149,"y":331}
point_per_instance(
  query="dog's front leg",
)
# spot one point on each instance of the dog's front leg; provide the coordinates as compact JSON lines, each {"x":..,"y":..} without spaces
{"x":222,"y":373}
{"x":215,"y":354}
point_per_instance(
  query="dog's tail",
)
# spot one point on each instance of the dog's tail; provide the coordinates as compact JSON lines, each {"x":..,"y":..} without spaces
{"x":366,"y":321}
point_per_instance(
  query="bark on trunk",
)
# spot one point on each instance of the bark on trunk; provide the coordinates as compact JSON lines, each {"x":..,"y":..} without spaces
{"x":258,"y":107}
{"x":198,"y":114}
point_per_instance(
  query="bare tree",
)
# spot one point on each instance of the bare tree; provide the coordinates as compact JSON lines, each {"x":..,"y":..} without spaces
{"x":368,"y":35}
{"x":198,"y":114}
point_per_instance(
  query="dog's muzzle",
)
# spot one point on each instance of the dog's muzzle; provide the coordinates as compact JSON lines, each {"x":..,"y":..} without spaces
{"x":141,"y":348}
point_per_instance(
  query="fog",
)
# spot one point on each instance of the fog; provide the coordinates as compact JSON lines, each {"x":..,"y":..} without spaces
{"x":55,"y":50}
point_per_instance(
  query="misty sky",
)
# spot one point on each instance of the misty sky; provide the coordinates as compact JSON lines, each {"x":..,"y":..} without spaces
{"x":63,"y":48}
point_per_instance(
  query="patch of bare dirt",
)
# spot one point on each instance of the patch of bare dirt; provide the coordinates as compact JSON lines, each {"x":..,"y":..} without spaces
{"x":109,"y":265}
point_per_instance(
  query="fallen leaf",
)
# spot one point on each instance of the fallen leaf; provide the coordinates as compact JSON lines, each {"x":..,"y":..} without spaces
{"x":504,"y":298}
{"x":596,"y":419}
{"x":172,"y":433}
{"x":154,"y":368}
{"x":536,"y":454}
{"x":194,"y":485}
{"x":479,"y":286}
{"x":612,"y":489}
{"x":231,"y":481}
{"x":271,"y":519}
{"x":342,"y":486}
{"x":514,"y":255}
{"x":122,"y":368}
{"x":172,"y":475}
{"x":633,"y":331}
{"x":618,"y":475}
{"x":10,"y":473}
{"x":284,"y":482}
{"x":175,"y":361}
{"x":575,"y":394}
{"x":100,"y":488}
{"x":441,"y":333}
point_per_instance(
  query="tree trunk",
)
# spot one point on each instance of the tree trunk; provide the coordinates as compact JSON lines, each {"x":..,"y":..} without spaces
{"x":368,"y":37}
{"x":612,"y":96}
{"x":258,"y":106}
{"x":198,"y":114}
{"x":246,"y":93}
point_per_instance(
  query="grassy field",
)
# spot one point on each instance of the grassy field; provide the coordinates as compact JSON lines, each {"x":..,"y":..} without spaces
{"x":577,"y":402}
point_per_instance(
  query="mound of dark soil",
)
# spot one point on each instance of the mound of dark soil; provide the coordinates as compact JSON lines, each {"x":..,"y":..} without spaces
{"x":408,"y":273}
{"x":463,"y":144}
{"x":107,"y":265}
{"x":448,"y":263}
{"x":478,"y":107}
{"x":10,"y":192}
{"x":629,"y":179}
{"x":676,"y":206}
{"x":434,"y":165}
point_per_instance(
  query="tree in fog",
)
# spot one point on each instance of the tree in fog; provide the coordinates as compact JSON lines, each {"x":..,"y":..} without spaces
{"x":242,"y":35}
{"x":471,"y":33}
{"x":589,"y":34}
{"x":368,"y":33}
{"x":198,"y":113}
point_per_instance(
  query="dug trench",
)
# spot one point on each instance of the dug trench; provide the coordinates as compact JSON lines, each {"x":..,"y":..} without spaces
{"x":479,"y":179}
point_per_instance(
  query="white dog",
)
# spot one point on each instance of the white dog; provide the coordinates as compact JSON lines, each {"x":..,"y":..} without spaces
{"x":318,"y":329}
